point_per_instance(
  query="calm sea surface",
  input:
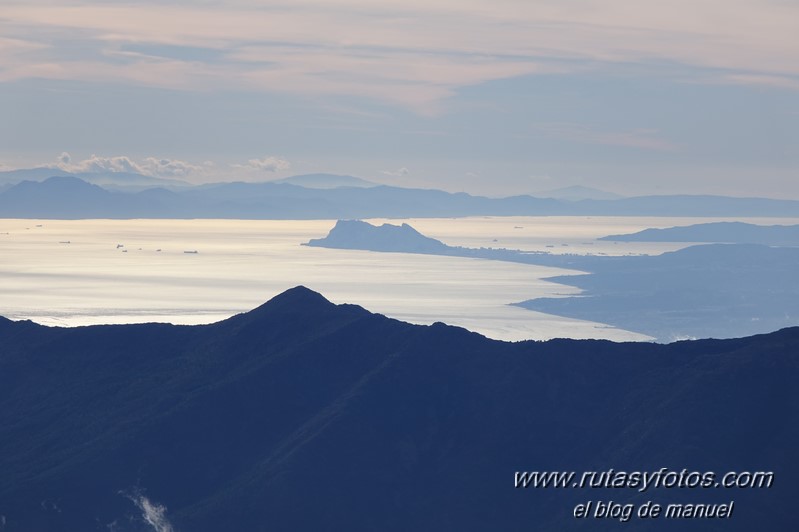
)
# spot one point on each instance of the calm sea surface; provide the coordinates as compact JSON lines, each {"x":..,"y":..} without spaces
{"x":71,"y":273}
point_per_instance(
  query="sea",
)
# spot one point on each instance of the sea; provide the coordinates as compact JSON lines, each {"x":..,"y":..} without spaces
{"x":71,"y":273}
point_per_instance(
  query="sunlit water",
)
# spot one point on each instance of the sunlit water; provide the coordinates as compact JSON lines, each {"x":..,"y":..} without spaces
{"x":109,"y":271}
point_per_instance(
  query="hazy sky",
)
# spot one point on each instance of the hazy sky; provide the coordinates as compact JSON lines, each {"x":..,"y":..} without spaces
{"x":487,"y":96}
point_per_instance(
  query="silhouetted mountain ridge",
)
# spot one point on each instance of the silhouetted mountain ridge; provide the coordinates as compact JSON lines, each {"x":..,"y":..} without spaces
{"x":305,"y":415}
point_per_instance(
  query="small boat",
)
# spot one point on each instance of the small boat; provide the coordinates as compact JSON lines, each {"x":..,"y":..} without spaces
{"x":194,"y":251}
{"x":120,"y":246}
{"x":65,"y":242}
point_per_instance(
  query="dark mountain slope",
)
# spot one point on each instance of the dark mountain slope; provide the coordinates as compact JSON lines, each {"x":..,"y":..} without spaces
{"x":304,"y":415}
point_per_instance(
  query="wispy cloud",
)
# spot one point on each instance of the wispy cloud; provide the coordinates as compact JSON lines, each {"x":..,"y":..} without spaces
{"x":11,"y":47}
{"x":785,"y":82}
{"x":267,"y":164}
{"x":412,"y":53}
{"x":150,"y":166}
{"x":399,"y":172}
{"x":638,"y":138}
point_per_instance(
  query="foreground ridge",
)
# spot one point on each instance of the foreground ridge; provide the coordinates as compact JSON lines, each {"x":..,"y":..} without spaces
{"x":305,"y":415}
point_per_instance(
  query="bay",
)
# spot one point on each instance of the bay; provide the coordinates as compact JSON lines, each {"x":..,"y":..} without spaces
{"x":84,"y":272}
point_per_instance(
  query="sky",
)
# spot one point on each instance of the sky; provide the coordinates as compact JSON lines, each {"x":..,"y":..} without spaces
{"x":493,"y":97}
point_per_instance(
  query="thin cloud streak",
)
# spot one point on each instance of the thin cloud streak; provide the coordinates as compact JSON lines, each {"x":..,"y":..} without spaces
{"x":400,"y":172}
{"x":639,"y":138}
{"x":267,"y":164}
{"x":412,"y":53}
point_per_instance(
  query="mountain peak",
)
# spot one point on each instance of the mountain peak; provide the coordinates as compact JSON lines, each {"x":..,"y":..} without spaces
{"x":296,"y":307}
{"x":57,"y":185}
{"x":297,"y":299}
{"x":61,"y":183}
{"x":299,"y":295}
{"x":64,"y":179}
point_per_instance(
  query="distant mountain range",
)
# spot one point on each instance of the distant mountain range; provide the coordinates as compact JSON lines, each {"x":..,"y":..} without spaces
{"x":122,"y":180}
{"x":304,"y":415}
{"x":72,"y":198}
{"x":326,"y":181}
{"x":707,"y":290}
{"x":721,"y":232}
{"x":578,"y":193}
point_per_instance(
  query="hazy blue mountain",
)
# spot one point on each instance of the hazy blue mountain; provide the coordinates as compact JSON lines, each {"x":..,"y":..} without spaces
{"x":128,"y":181}
{"x":578,"y":193}
{"x":270,"y":200}
{"x":304,"y":415}
{"x":325,"y":181}
{"x":120,"y":180}
{"x":275,"y":200}
{"x":30,"y":174}
{"x":721,"y":232}
{"x":67,"y":197}
{"x":355,"y":234}
{"x":56,"y":197}
{"x":717,"y":291}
